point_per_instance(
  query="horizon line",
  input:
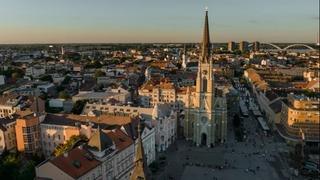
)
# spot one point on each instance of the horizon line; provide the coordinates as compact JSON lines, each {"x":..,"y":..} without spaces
{"x":58,"y":43}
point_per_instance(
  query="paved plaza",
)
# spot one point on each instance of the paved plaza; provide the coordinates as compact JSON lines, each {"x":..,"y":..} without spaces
{"x":258,"y":157}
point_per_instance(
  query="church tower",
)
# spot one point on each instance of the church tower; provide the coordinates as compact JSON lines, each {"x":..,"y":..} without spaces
{"x":184,"y":58}
{"x":200,"y":121}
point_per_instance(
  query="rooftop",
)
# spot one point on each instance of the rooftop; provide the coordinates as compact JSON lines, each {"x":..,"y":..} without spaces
{"x":71,"y":119}
{"x":76,"y":163}
{"x":100,"y":141}
{"x":120,"y":139}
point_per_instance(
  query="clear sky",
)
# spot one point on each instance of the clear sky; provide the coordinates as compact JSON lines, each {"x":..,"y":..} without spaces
{"x":104,"y":21}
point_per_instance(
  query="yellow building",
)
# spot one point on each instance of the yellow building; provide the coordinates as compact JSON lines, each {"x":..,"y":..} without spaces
{"x":299,"y":119}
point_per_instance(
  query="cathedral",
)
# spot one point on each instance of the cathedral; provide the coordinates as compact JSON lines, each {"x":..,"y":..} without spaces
{"x":205,"y":113}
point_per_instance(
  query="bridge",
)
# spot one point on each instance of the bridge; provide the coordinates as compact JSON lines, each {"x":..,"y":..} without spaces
{"x":288,"y":47}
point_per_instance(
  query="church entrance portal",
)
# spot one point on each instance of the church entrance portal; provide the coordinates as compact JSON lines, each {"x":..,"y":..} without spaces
{"x":203,"y":139}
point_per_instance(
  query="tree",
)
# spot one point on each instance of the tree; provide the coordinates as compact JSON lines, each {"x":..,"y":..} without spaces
{"x":46,"y":78}
{"x":99,"y":73}
{"x":9,"y":166}
{"x":63,"y":95}
{"x":94,"y":64}
{"x":27,"y":171}
{"x":62,"y":148}
{"x":66,"y":80}
{"x":78,"y":106}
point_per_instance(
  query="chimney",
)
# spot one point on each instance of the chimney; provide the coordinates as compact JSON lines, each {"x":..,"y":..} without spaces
{"x":65,"y":154}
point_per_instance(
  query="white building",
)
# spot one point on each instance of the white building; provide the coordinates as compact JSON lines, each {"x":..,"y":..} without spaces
{"x":55,"y":131}
{"x":35,"y":71}
{"x":8,"y":105}
{"x":165,"y":122}
{"x":46,"y":88}
{"x":122,"y":97}
{"x":145,"y":113}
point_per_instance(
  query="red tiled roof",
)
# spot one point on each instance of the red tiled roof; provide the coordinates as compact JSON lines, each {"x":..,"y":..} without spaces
{"x":76,"y":156}
{"x":120,"y":139}
{"x":104,"y":119}
{"x":313,"y":84}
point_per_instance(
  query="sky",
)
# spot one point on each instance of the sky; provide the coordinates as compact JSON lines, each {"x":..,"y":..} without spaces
{"x":135,"y":21}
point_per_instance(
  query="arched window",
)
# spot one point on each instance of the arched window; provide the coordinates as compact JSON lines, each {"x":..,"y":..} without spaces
{"x":204,"y":84}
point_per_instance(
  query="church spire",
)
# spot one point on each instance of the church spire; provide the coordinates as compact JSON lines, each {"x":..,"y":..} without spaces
{"x":140,"y":167}
{"x":206,"y":40}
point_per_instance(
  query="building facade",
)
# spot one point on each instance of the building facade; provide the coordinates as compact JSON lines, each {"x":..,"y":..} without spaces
{"x":7,"y":134}
{"x":256,"y":46}
{"x":231,"y":46}
{"x":53,"y":135}
{"x":28,"y":133}
{"x":165,"y":123}
{"x":300,"y":119}
{"x":244,"y":46}
{"x":8,"y":105}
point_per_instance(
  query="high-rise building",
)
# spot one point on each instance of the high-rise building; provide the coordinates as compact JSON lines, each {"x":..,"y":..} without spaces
{"x":244,"y":46}
{"x":231,"y":46}
{"x":256,"y":46}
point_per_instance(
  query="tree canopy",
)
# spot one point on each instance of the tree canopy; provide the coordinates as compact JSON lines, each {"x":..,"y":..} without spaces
{"x":46,"y":78}
{"x":63,"y":95}
{"x":62,"y":148}
{"x":15,"y":166}
{"x":78,"y":106}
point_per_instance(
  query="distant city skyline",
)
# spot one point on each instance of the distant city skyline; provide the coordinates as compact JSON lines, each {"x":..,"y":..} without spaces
{"x":145,"y":21}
